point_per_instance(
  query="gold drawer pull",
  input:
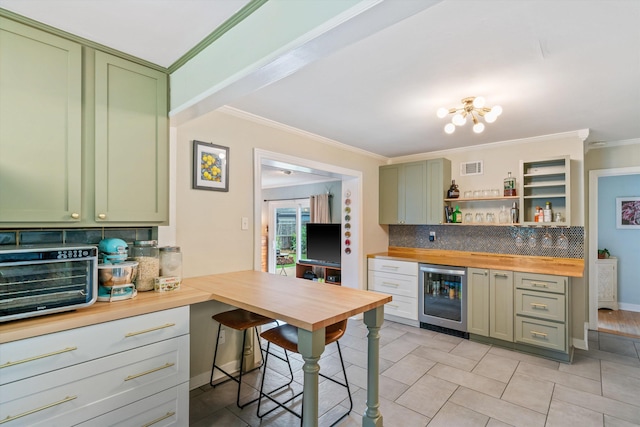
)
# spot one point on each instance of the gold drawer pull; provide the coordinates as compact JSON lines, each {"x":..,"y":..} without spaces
{"x":42,"y":356}
{"x":500,"y":275}
{"x":538,"y":306}
{"x":395,"y":267}
{"x":42,"y":408}
{"x":393,"y":305}
{"x":539,"y":285}
{"x":389,"y":284}
{"x":133,"y":334}
{"x":157,"y":420}
{"x":150,"y":371}
{"x":539,"y":334}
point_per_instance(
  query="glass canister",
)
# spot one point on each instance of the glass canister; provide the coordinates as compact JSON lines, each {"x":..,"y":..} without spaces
{"x":171,"y":262}
{"x":147,"y":255}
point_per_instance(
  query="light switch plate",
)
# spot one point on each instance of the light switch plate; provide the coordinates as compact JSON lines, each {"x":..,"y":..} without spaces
{"x":245,"y":223}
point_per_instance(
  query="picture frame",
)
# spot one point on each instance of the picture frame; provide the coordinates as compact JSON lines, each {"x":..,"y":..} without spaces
{"x":210,"y":166}
{"x":628,"y":212}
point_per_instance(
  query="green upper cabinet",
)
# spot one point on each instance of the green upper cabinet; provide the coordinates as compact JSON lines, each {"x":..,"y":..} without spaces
{"x":131,"y":142}
{"x":40,"y":126}
{"x":413,"y":193}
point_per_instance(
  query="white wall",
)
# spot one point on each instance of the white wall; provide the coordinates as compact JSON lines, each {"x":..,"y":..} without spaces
{"x":208,"y":222}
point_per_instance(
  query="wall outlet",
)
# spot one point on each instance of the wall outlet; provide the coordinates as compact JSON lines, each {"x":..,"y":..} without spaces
{"x":432,"y":236}
{"x":222,"y":337}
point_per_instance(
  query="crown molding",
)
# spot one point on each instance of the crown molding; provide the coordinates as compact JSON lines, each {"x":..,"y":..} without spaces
{"x":290,"y":129}
{"x":595,"y":145}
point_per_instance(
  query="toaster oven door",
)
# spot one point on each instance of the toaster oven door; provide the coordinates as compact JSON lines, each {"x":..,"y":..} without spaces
{"x":33,"y":289}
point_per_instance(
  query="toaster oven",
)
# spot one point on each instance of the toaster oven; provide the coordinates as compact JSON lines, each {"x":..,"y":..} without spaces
{"x":37,"y":280}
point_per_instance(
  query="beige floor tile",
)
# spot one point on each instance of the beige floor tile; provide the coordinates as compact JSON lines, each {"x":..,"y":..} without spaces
{"x":529,"y":392}
{"x":622,"y":387}
{"x":459,"y":416}
{"x":445,"y":358}
{"x":534,"y":360}
{"x":583,"y":366}
{"x":602,"y":404}
{"x":616,"y":368}
{"x":393,"y":414}
{"x":618,"y":344}
{"x":499,"y":409}
{"x":396,"y":350}
{"x":221,"y":418}
{"x":497,"y":423}
{"x":471,"y":350}
{"x":409,"y":369}
{"x":610,"y":421}
{"x":611,"y":357}
{"x":554,"y":375}
{"x":389,"y":388}
{"x":359,"y":358}
{"x":563,"y":414}
{"x":469,"y":380}
{"x":496,"y":367}
{"x":427,"y":395}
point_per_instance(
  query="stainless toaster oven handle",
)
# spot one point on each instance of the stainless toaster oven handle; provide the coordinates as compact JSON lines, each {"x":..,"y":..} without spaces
{"x":42,"y":356}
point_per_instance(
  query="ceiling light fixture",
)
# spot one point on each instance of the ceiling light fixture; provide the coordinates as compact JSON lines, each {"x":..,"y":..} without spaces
{"x":472,"y":107}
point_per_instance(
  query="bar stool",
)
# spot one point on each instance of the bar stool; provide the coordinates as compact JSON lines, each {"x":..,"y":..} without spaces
{"x":286,"y":336}
{"x":242,"y":320}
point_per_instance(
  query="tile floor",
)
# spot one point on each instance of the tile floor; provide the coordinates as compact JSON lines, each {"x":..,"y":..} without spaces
{"x":434,"y":379}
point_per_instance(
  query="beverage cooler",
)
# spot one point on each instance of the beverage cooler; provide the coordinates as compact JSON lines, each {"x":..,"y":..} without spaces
{"x":443,"y":298}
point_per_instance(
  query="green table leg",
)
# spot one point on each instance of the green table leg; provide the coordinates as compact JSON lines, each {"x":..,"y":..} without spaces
{"x":310,"y":346}
{"x":373,"y":319}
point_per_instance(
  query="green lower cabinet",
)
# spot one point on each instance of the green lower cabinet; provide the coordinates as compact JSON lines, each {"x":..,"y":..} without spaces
{"x":490,"y":303}
{"x":40,"y":126}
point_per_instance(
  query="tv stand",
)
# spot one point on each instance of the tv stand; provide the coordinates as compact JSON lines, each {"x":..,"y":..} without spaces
{"x":321,"y":270}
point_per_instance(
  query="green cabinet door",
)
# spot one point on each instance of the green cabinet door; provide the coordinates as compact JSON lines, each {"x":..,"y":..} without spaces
{"x":40,"y":126}
{"x":131,"y":142}
{"x":438,"y":179}
{"x":501,"y":305}
{"x":389,"y":198}
{"x":478,"y":301}
{"x":402,"y":193}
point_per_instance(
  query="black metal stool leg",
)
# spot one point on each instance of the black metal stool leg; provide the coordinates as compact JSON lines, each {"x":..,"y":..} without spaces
{"x":215,"y":354}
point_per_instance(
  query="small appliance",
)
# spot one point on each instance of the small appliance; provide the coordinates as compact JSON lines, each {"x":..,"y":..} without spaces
{"x":116,"y":275}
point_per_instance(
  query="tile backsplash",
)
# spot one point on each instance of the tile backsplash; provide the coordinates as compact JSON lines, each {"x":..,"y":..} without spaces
{"x":491,"y":239}
{"x":90,"y":236}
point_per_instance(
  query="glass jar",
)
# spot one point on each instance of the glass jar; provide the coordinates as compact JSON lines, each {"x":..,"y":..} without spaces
{"x":147,"y":255}
{"x":171,"y":262}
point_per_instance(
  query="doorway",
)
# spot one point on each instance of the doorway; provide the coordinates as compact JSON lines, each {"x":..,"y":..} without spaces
{"x":287,"y":221}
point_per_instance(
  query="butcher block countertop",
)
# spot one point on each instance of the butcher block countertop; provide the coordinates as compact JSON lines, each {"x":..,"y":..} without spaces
{"x":571,"y":267}
{"x":100,"y":312}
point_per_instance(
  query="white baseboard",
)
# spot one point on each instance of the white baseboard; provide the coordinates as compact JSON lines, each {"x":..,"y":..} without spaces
{"x":628,"y":307}
{"x":582,"y":344}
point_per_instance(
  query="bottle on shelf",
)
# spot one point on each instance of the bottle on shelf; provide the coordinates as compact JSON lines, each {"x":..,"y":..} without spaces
{"x":509,"y":186}
{"x":515,"y":213}
{"x":453,"y":192}
{"x":457,"y":215}
{"x":547,"y":214}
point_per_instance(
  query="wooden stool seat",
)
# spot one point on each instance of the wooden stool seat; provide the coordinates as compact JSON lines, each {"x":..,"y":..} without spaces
{"x":286,"y":336}
{"x":240,"y":319}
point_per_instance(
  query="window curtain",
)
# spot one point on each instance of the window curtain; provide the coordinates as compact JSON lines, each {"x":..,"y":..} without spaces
{"x":320,"y":206}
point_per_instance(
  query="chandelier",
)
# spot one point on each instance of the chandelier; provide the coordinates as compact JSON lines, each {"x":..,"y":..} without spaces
{"x":474,"y":108}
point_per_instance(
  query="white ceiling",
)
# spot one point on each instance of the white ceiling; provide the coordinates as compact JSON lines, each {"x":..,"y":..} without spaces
{"x":554,"y":66}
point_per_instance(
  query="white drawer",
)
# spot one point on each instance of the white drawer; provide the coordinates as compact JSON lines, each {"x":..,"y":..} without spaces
{"x":164,"y":409}
{"x":396,"y":284}
{"x":541,"y":333}
{"x":33,"y":356}
{"x":543,"y":305}
{"x":97,"y":386}
{"x":392,"y":266}
{"x":541,"y":282}
{"x":402,"y":307}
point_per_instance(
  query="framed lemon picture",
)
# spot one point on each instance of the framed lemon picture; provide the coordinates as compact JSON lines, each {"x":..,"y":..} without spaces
{"x":210,"y":166}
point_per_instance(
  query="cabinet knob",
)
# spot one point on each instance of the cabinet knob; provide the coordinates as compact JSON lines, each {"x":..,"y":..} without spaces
{"x":102,"y":216}
{"x":75,"y":215}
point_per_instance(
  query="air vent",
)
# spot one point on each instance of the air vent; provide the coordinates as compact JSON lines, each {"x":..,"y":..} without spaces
{"x":472,"y":168}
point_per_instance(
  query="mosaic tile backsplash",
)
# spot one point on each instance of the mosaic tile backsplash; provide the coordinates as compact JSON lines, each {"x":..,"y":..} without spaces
{"x":90,"y":236}
{"x":529,"y":241}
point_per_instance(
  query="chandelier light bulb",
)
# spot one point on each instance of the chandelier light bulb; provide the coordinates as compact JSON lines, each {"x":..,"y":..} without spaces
{"x":459,"y":120}
{"x":490,"y":117}
{"x":478,"y":102}
{"x":442,"y":112}
{"x":450,"y":128}
{"x":478,"y":127}
{"x":497,"y":110}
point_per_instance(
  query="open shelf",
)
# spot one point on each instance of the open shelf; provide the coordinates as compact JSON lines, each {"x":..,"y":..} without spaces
{"x":482,"y":199}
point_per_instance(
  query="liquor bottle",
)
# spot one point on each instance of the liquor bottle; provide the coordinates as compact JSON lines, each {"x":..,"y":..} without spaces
{"x":453,"y":192}
{"x":457,"y":215}
{"x":547,"y":214}
{"x":515,"y":213}
{"x":509,"y":186}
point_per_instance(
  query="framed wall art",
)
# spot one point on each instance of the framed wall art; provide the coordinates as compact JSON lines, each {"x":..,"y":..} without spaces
{"x":210,"y":166}
{"x":628,"y":212}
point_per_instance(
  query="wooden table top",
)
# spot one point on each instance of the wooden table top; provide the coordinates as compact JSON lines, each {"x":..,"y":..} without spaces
{"x":303,"y":303}
{"x":572,"y":267}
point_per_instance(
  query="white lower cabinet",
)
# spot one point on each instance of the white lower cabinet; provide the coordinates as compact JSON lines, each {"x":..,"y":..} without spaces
{"x":400,"y":279}
{"x":607,"y":277}
{"x":139,"y":357}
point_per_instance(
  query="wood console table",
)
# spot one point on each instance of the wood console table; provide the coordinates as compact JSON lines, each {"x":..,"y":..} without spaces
{"x":310,"y":306}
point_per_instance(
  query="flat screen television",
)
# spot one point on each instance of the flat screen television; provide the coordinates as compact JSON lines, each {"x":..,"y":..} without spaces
{"x":324,"y":243}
